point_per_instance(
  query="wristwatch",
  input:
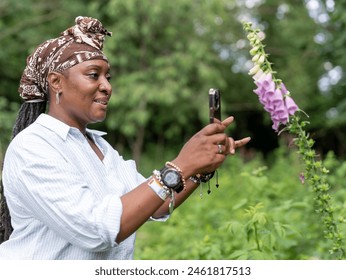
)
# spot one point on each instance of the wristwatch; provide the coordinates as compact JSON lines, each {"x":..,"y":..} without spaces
{"x":171,"y":178}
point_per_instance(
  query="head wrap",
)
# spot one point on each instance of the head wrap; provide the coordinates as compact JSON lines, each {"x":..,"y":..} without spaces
{"x":77,"y":44}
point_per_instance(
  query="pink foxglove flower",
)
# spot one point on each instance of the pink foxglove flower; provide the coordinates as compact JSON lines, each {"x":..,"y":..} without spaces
{"x":272,"y":93}
{"x":291,"y":105}
{"x":275,"y":98}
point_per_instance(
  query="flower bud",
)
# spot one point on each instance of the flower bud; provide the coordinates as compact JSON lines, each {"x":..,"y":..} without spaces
{"x":254,"y":50}
{"x":254,"y":70}
{"x":259,"y":75}
{"x":250,"y":36}
{"x":256,"y":57}
{"x":261,"y":59}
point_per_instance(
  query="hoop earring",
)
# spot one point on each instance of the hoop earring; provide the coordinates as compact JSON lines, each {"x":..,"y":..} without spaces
{"x":57,"y":97}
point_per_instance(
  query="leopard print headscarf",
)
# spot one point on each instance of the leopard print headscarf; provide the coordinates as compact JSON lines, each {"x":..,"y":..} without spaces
{"x":77,"y":44}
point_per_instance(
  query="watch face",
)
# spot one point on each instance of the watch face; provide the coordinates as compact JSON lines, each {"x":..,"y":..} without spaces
{"x":171,"y":178}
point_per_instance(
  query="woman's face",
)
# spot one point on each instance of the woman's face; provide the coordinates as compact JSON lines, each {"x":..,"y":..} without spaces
{"x":85,"y":93}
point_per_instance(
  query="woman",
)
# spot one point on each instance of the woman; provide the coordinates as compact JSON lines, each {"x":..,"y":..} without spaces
{"x":70,"y":195}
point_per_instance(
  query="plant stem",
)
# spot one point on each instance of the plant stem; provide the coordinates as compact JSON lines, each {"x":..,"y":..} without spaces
{"x":316,"y":175}
{"x":256,"y":237}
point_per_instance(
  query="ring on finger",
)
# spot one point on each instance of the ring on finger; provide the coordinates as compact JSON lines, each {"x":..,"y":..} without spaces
{"x":219,"y":146}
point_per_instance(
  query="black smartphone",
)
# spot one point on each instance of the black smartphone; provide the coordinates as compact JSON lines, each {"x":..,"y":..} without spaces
{"x":214,"y":105}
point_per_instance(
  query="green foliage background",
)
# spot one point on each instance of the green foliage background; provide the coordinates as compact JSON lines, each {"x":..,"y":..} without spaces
{"x":165,"y":55}
{"x":260,"y":211}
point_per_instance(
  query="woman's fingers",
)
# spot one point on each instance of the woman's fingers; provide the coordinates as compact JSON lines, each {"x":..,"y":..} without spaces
{"x":242,"y":142}
{"x":228,"y":121}
{"x":217,"y":126}
{"x":234,"y":144}
{"x":230,"y":145}
{"x":217,"y":136}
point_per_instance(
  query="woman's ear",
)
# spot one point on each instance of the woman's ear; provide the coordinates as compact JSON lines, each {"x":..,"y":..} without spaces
{"x":54,"y":81}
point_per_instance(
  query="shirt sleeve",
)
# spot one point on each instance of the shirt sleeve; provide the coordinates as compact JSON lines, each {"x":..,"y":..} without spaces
{"x":54,"y":192}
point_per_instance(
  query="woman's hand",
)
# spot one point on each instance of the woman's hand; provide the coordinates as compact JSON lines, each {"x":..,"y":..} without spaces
{"x":208,"y":149}
{"x":201,"y":154}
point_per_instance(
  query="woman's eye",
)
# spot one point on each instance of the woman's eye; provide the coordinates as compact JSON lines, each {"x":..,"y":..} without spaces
{"x":93,"y":75}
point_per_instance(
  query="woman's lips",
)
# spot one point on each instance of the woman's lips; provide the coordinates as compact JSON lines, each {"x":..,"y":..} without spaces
{"x":103,"y":101}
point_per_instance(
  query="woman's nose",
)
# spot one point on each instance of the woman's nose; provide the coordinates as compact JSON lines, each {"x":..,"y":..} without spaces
{"x":105,"y":86}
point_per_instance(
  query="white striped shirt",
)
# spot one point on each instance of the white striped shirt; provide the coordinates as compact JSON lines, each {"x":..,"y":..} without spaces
{"x":64,"y":201}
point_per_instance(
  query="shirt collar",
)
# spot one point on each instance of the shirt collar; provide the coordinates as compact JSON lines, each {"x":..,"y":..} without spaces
{"x":95,"y":133}
{"x":62,"y":129}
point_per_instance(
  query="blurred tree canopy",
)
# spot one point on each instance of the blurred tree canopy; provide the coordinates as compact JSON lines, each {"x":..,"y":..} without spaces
{"x":165,"y":55}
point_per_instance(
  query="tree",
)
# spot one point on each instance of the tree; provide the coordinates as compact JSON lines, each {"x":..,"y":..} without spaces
{"x":334,"y":80}
{"x":165,"y":57}
{"x":23,"y":25}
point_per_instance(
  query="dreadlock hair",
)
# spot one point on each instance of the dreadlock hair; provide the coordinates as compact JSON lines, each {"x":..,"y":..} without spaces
{"x":28,"y":113}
